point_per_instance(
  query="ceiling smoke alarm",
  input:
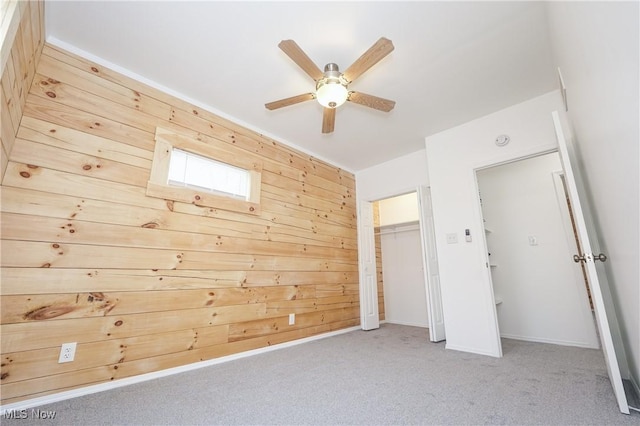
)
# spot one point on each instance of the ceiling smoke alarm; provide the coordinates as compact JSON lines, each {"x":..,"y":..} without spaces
{"x":502,"y":140}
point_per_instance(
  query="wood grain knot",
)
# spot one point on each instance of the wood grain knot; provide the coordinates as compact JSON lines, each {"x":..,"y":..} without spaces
{"x":118,"y":323}
{"x":47,"y":312}
{"x":251,"y":209}
{"x":86,"y":167}
{"x":51,"y":94}
{"x":94,"y":69}
{"x":151,"y":225}
{"x":25,"y":175}
{"x":197,"y":197}
{"x":4,"y":376}
{"x":99,"y":297}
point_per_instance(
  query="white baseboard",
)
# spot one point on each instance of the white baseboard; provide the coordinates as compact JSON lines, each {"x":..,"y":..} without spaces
{"x":406,"y":323}
{"x":551,"y":341}
{"x":87,"y":390}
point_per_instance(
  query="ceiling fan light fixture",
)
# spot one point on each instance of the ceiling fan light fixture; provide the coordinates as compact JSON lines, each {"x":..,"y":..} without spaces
{"x":331,"y":94}
{"x":331,"y":89}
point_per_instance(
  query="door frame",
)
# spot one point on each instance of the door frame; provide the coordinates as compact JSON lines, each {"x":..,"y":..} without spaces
{"x":369,"y":309}
{"x":560,"y":193}
{"x":606,"y":327}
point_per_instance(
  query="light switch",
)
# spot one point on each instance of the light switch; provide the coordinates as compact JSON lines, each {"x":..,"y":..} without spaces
{"x":452,"y":238}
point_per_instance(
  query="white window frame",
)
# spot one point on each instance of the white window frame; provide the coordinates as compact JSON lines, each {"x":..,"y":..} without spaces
{"x":158,"y":184}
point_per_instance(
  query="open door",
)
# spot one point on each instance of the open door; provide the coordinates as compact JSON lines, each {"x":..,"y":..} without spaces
{"x":605,"y":316}
{"x":369,"y":316}
{"x":430,"y":266}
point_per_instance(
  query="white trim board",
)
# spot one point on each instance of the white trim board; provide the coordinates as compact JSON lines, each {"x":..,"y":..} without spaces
{"x":87,"y":390}
{"x":549,"y":341}
{"x":410,"y":324}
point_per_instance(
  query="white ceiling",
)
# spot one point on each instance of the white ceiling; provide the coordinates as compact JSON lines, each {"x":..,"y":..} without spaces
{"x":453,"y":62}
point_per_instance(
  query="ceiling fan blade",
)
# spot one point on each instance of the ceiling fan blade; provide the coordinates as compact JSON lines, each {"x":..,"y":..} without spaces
{"x":328,"y":120}
{"x":379,"y":50}
{"x":290,"y":101}
{"x":371,"y":101}
{"x":298,"y":56}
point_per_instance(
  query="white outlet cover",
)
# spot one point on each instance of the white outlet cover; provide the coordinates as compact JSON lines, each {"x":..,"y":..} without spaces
{"x":452,"y":238}
{"x":292,"y":319}
{"x":67,"y":352}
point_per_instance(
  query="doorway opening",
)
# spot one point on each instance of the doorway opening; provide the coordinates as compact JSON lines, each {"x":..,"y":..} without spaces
{"x":371,"y":261}
{"x":540,"y":294}
{"x":401,"y":283}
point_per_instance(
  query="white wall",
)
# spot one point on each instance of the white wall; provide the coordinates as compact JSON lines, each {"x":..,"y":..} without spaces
{"x":405,"y":300}
{"x":543,"y":292}
{"x":596,"y":45}
{"x":452,"y":156}
{"x":400,"y":209}
{"x":398,"y":176}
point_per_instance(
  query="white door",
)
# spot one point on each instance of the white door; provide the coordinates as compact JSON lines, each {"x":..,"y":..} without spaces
{"x":597,"y":283}
{"x":430,"y":266}
{"x":369,"y":318}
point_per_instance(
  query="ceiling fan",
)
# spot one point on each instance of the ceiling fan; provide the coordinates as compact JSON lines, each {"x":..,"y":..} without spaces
{"x":332,"y":85}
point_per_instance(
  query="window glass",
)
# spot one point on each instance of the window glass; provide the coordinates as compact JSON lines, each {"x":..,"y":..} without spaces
{"x":194,"y":171}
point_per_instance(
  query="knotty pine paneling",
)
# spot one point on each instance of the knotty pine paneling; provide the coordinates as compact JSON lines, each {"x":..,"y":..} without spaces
{"x":378,"y":244}
{"x":144,"y":284}
{"x":22,"y":40}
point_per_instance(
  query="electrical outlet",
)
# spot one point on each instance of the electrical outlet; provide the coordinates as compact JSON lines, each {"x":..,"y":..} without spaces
{"x":67,"y":352}
{"x":292,"y":319}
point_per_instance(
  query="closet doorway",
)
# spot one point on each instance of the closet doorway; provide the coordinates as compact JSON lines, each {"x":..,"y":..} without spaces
{"x":540,"y":294}
{"x":400,"y":254}
{"x":406,"y":261}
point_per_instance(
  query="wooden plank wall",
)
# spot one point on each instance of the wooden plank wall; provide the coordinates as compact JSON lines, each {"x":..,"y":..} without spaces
{"x":22,"y":35}
{"x":143,"y":284}
{"x":378,"y":243}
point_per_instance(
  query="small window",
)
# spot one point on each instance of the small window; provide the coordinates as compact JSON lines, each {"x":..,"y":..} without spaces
{"x":194,"y":171}
{"x":211,"y":175}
